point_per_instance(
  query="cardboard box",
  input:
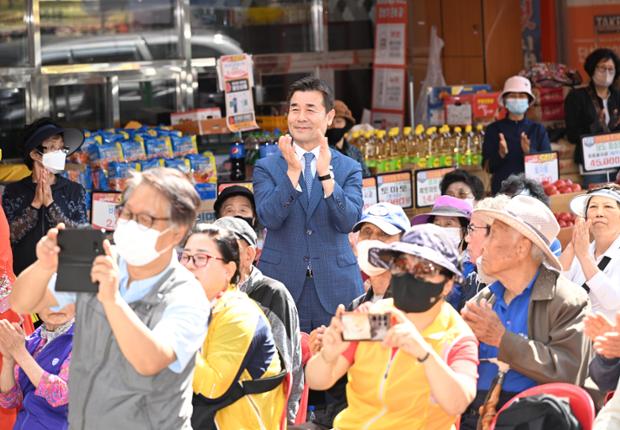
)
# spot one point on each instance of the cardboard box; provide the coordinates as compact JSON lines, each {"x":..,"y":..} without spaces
{"x":559,"y":202}
{"x":203,"y":127}
{"x":545,"y":96}
{"x":436,"y":97}
{"x":548,"y":112}
{"x":564,"y":148}
{"x":486,"y":108}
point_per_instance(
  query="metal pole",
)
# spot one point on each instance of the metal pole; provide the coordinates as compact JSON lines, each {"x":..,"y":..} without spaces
{"x":37,"y":89}
{"x":112,"y":103}
{"x":317,"y":26}
{"x":184,"y":45}
{"x":411,"y":100}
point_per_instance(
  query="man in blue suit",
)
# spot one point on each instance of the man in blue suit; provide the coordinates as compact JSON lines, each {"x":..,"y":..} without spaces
{"x":309,"y":197}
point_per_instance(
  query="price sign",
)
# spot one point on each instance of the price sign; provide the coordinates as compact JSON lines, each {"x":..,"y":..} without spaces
{"x":395,"y":188}
{"x":542,"y":167}
{"x":427,"y":185}
{"x":369,"y":192}
{"x":601,"y":151}
{"x":103,"y":211}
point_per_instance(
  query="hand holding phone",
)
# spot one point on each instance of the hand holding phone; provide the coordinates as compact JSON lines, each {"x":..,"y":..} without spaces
{"x":362,"y":326}
{"x":78,"y":249}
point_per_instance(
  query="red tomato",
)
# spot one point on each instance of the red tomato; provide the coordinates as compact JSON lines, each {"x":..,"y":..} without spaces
{"x":568,"y":182}
{"x":576,"y":187}
{"x":560,"y":183}
{"x":562,"y":223}
{"x":550,"y":190}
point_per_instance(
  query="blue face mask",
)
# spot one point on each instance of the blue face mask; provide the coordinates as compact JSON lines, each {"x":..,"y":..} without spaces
{"x":517,"y":106}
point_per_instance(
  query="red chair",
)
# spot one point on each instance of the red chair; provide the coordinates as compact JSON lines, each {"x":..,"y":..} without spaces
{"x":305,"y":356}
{"x":581,"y":403}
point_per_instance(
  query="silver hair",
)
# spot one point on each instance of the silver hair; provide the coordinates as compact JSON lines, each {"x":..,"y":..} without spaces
{"x":494,"y":203}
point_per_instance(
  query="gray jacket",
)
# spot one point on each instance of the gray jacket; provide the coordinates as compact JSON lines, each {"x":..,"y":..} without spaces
{"x":105,"y":391}
{"x":279,"y":307}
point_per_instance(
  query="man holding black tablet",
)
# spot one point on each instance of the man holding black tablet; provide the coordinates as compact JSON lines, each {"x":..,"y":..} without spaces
{"x":136,"y":338}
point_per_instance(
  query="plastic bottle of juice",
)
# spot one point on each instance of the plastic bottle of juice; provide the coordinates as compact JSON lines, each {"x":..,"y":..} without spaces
{"x":406,"y":148}
{"x":382,"y":151}
{"x":394,"y":162}
{"x":466,"y":157}
{"x":370,"y":151}
{"x":418,"y":146}
{"x":429,"y":148}
{"x":477,"y":145}
{"x":456,"y":142}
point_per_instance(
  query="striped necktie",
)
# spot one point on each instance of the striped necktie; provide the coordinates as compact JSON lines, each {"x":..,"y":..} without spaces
{"x":308,"y":156}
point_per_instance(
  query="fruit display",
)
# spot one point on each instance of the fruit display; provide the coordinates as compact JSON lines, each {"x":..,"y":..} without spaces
{"x":565,"y":219}
{"x":561,"y":186}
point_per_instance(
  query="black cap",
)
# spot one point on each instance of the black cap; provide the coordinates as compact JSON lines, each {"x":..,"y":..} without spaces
{"x":234,"y":190}
{"x":45,"y":128}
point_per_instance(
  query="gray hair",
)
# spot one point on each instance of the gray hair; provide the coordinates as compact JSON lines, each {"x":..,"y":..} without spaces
{"x":537,"y":254}
{"x":494,"y":203}
{"x":176,"y":189}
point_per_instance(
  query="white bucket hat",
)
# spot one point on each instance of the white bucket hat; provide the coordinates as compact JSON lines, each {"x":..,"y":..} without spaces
{"x":517,"y":84}
{"x":533,"y":219}
{"x":579,"y":204}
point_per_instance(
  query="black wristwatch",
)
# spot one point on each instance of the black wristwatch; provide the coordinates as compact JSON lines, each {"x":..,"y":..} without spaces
{"x":326,"y":177}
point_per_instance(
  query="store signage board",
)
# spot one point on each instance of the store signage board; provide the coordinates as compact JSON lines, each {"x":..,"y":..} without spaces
{"x":427,"y":185}
{"x":544,"y":166}
{"x":396,"y":188}
{"x":601,"y":151}
{"x":236,"y":79}
{"x":103,"y":210}
{"x":369,"y":192}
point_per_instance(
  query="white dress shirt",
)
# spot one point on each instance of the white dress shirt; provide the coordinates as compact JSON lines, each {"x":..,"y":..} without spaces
{"x":604,"y":286}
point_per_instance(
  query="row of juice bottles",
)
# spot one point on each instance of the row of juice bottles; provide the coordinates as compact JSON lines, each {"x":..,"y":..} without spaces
{"x":391,"y":151}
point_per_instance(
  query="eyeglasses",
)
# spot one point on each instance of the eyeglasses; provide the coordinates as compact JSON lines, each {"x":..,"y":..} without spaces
{"x":399,"y":263}
{"x":144,"y":220}
{"x":604,"y":69}
{"x":472,"y":228}
{"x":199,"y":260}
{"x":460,"y":194}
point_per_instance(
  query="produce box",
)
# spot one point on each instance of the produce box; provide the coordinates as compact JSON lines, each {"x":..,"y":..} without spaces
{"x":564,"y":148}
{"x":559,"y":202}
{"x":436,"y":97}
{"x":458,"y":110}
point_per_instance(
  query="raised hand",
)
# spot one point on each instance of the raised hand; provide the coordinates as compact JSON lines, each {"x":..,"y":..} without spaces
{"x":525,"y":143}
{"x":47,"y":249}
{"x":503,"y":146}
{"x":333,"y":345}
{"x":484,"y":322}
{"x":285,"y":143}
{"x":404,"y":335}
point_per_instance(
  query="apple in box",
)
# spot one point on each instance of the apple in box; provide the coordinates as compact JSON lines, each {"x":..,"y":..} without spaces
{"x":561,"y":186}
{"x":565,"y":219}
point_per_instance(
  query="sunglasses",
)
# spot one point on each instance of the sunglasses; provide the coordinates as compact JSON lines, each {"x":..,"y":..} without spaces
{"x":400,"y":263}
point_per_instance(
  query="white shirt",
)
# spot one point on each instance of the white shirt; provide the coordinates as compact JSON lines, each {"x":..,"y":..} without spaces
{"x":299,"y":151}
{"x":604,"y":286}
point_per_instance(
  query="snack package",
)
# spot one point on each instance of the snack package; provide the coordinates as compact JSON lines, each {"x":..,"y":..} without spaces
{"x":151,"y":164}
{"x":158,"y":148}
{"x":82,"y":176}
{"x":100,"y":180}
{"x":133,"y":150}
{"x":101,"y":155}
{"x":182,"y":146}
{"x":181,"y":164}
{"x":203,"y":168}
{"x":119,"y":172}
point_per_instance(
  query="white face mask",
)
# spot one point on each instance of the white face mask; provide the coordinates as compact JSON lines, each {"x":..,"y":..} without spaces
{"x":471,"y":201}
{"x":483,"y":277}
{"x":455,"y":235}
{"x":362,"y":257}
{"x":134,"y":244}
{"x":54,"y":161}
{"x":603,"y":79}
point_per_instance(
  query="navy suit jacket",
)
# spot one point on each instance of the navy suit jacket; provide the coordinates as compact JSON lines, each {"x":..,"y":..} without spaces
{"x":302,"y":231}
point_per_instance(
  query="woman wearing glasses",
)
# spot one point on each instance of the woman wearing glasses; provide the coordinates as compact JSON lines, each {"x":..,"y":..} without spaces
{"x":44,"y":199}
{"x":239,"y":347}
{"x":596,"y":266}
{"x":423,"y":373}
{"x":594,"y":108}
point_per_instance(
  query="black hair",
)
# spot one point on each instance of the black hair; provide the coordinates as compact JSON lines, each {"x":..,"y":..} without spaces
{"x":226,"y":242}
{"x":516,"y":184}
{"x":29,"y":130}
{"x":458,"y":175}
{"x":598,"y":55}
{"x":310,"y":83}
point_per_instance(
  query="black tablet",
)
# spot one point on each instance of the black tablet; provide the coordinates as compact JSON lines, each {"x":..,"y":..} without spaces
{"x":78,"y":249}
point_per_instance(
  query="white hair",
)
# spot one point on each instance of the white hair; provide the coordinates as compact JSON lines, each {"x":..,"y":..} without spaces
{"x":498,"y":202}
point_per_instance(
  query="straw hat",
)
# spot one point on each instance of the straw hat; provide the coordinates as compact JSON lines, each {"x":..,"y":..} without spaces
{"x":533,"y":219}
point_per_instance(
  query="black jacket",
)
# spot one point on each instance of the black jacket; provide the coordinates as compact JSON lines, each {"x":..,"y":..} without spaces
{"x":27,"y":224}
{"x":581,"y":118}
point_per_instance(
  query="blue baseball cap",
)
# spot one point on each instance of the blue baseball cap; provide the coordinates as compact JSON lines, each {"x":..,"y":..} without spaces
{"x":391,"y":219}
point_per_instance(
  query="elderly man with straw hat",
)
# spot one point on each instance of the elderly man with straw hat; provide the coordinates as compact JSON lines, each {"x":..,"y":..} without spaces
{"x":531,"y":318}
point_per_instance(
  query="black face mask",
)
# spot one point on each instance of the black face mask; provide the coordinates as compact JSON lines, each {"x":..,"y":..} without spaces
{"x":249,"y":220}
{"x":412,"y":294}
{"x":334,"y":135}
